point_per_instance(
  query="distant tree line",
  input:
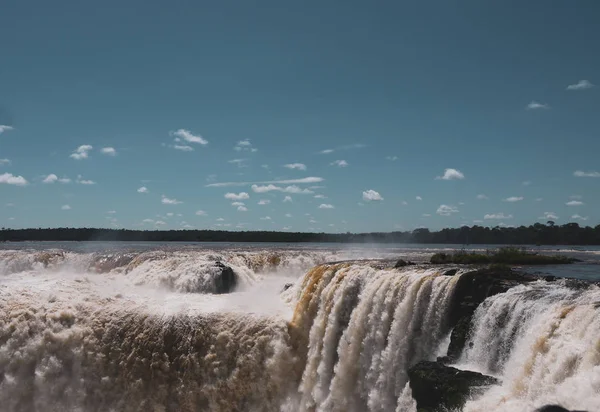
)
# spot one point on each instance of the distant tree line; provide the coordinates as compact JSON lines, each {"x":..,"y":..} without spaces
{"x":537,"y":234}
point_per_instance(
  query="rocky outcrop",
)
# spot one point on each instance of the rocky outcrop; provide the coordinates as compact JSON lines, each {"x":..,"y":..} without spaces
{"x":106,"y":263}
{"x":225,"y":280}
{"x":437,"y":387}
{"x":401,"y":263}
{"x":553,"y":408}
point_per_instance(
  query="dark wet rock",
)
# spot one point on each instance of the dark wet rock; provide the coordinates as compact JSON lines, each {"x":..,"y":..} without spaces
{"x":444,"y":360}
{"x":437,"y":387}
{"x":450,"y":272}
{"x":225,"y":279}
{"x":549,"y":278}
{"x":554,"y":408}
{"x":401,"y":263}
{"x":459,"y":337}
{"x":287,"y":286}
{"x":106,"y":263}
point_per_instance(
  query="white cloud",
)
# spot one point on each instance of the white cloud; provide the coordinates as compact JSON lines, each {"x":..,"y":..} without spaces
{"x":237,"y":196}
{"x":574,"y":203}
{"x":51,"y":178}
{"x":580,"y":85}
{"x":451,"y":174}
{"x":201,"y":213}
{"x":110,"y":151}
{"x":288,"y":215}
{"x":170,"y":214}
{"x":183,"y":148}
{"x":591,"y":173}
{"x":4,"y":162}
{"x":243,"y":143}
{"x":539,"y":199}
{"x":288,"y":189}
{"x":326,"y":206}
{"x":296,"y":166}
{"x":287,"y":199}
{"x":242,"y":209}
{"x":189,"y":137}
{"x":10,"y":179}
{"x":513,"y":199}
{"x":64,"y":180}
{"x":320,"y":197}
{"x":245,"y":146}
{"x":313,"y":221}
{"x":419,"y":198}
{"x":143,"y":189}
{"x":147,"y":221}
{"x":426,"y":215}
{"x":445,"y":210}
{"x":535,"y":106}
{"x":160,"y":223}
{"x":286,"y":228}
{"x":82,"y":152}
{"x":264,"y":202}
{"x":482,"y":197}
{"x":498,"y":216}
{"x":404,"y":203}
{"x":111,"y":212}
{"x":326,"y":151}
{"x":371,"y":195}
{"x":266,"y":218}
{"x":549,"y":216}
{"x":238,"y":204}
{"x":166,"y":201}
{"x":339,"y":163}
{"x":527,"y":183}
{"x":66,"y":207}
{"x":82,"y":181}
{"x":579,"y":217}
{"x":392,"y":158}
{"x":220,"y":219}
{"x":5,"y":128}
{"x":285,"y":181}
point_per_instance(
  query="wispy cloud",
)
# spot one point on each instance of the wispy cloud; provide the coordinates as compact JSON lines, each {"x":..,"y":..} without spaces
{"x":238,"y":204}
{"x":220,"y":219}
{"x":5,"y":128}
{"x":167,"y":201}
{"x":339,"y":163}
{"x":392,"y":158}
{"x":183,"y":147}
{"x":549,"y":216}
{"x":83,"y":181}
{"x":242,"y":209}
{"x":579,"y":217}
{"x":344,"y":147}
{"x":109,"y":151}
{"x":326,"y":151}
{"x":284,"y":181}
{"x":288,"y":189}
{"x":446,"y":210}
{"x":426,"y":215}
{"x":419,"y":198}
{"x":539,"y":199}
{"x":51,"y":178}
{"x":189,"y":136}
{"x":237,"y":196}
{"x":82,"y":152}
{"x":537,"y":106}
{"x":266,"y":218}
{"x":580,"y":85}
{"x":451,"y":174}
{"x":244,"y":146}
{"x":287,"y":199}
{"x":288,"y":215}
{"x":10,"y":179}
{"x":482,"y":197}
{"x":143,"y":189}
{"x":295,"y":166}
{"x":575,"y":203}
{"x":513,"y":199}
{"x":263,"y":202}
{"x":498,"y":216}
{"x":201,"y":213}
{"x":326,"y":206}
{"x":66,"y":207}
{"x":371,"y":195}
{"x":526,"y":183}
{"x":404,"y":203}
{"x":238,"y":162}
{"x":4,"y":162}
{"x":591,"y":173}
{"x":320,"y":197}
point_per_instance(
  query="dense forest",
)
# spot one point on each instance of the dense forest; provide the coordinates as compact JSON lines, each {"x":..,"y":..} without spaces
{"x":540,"y":234}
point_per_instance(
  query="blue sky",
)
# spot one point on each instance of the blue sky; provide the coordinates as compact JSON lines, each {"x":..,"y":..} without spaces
{"x":430,"y":113}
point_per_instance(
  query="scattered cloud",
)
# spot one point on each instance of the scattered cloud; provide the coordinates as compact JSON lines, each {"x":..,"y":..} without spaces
{"x":183,"y":147}
{"x":143,"y":189}
{"x":497,"y":216}
{"x":111,"y":212}
{"x":339,"y":163}
{"x":527,"y":183}
{"x":220,"y":219}
{"x":283,"y":181}
{"x":478,"y":221}
{"x":591,"y":173}
{"x":82,"y":152}
{"x":404,"y":203}
{"x":574,"y":203}
{"x":549,"y":216}
{"x":326,"y":206}
{"x":4,"y":162}
{"x":580,"y":85}
{"x":66,"y":207}
{"x":320,"y":197}
{"x":371,"y":195}
{"x":237,"y":196}
{"x":147,"y":221}
{"x":419,"y":198}
{"x":326,"y":151}
{"x":539,"y":199}
{"x":445,"y":210}
{"x":288,"y":215}
{"x":64,"y":180}
{"x":286,"y":228}
{"x":51,"y":178}
{"x":426,"y":215}
{"x":5,"y":128}
{"x":264,"y":202}
{"x":244,"y":146}
{"x":392,"y":158}
{"x":10,"y":179}
{"x":242,"y":209}
{"x":201,"y":213}
{"x":344,"y":147}
{"x":238,"y":204}
{"x":579,"y":217}
{"x":451,"y":174}
{"x":83,"y":181}
{"x":266,"y":218}
{"x":513,"y":199}
{"x":536,"y":106}
{"x":288,"y":189}
{"x":160,"y":223}
{"x":287,"y":199}
{"x":167,"y":201}
{"x":482,"y":197}
{"x":109,"y":151}
{"x":189,"y":136}
{"x":295,"y":166}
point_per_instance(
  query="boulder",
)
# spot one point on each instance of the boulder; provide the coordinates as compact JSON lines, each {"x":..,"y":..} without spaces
{"x":437,"y":387}
{"x":458,"y":337}
{"x":553,"y":408}
{"x":225,"y":280}
{"x":401,"y":263}
{"x":450,"y":272}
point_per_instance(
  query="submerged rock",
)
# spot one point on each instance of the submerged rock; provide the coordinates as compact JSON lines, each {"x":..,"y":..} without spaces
{"x":553,"y":408}
{"x":401,"y":263}
{"x":437,"y":387}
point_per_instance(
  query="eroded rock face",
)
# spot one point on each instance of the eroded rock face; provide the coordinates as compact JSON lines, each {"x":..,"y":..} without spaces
{"x":437,"y":387}
{"x":226,"y":280}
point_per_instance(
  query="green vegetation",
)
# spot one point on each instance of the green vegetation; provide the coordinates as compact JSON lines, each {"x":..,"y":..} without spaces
{"x":502,"y":256}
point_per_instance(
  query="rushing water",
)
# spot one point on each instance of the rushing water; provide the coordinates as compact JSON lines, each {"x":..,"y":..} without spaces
{"x":142,"y":330}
